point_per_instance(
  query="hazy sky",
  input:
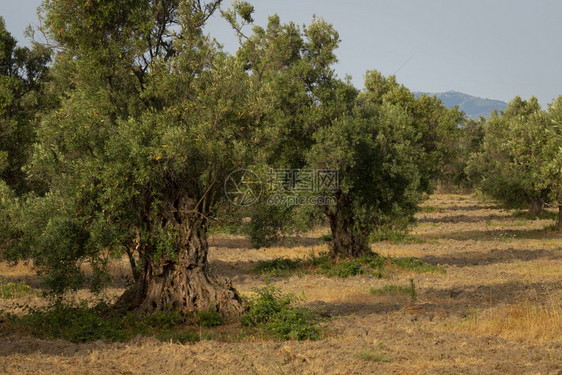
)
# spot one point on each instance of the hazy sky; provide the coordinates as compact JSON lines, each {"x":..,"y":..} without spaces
{"x":490,"y":48}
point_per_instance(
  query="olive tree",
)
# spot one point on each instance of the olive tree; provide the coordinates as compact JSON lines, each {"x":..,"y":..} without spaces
{"x":515,"y":150}
{"x":152,"y":118}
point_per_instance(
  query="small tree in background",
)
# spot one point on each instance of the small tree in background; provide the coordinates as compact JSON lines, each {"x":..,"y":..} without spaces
{"x":376,"y":153}
{"x":553,"y":165}
{"x":22,"y":75}
{"x":516,"y":148}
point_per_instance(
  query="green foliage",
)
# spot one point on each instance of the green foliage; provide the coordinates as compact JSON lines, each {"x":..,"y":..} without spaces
{"x":371,"y":356}
{"x":326,"y":238}
{"x":80,"y":323}
{"x":14,"y":290}
{"x":413,"y":293}
{"x":150,"y":118}
{"x":274,"y":314}
{"x":23,"y":73}
{"x":209,"y":318}
{"x":416,"y":265}
{"x":545,"y":215}
{"x":343,"y":269}
{"x":72,"y":323}
{"x":369,"y":264}
{"x":517,"y":163}
{"x":277,"y":267}
{"x":267,"y":224}
{"x":395,"y":236}
{"x":470,"y":141}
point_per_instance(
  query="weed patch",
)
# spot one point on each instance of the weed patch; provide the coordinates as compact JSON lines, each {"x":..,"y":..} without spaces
{"x":14,"y":290}
{"x":273,"y":314}
{"x":395,"y":237}
{"x":393,"y":289}
{"x":372,"y":356}
{"x":370,"y":264}
{"x":80,"y":323}
{"x":277,"y":267}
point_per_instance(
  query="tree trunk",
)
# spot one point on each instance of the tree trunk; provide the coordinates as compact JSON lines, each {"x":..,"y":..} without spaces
{"x":185,"y":284}
{"x":348,"y":242}
{"x":560,"y":217}
{"x":536,"y":206}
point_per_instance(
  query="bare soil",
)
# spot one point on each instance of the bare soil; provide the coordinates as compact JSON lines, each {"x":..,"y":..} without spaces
{"x":480,"y":317}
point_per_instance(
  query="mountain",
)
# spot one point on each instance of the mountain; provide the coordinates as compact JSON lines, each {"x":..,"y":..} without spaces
{"x":473,"y":106}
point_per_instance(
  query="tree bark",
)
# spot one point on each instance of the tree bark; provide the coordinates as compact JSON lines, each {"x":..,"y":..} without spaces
{"x":185,"y":284}
{"x":347,"y":242}
{"x":560,"y":217}
{"x":536,"y":206}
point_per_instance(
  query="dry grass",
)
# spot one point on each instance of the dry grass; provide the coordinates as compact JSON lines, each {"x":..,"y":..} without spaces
{"x":541,"y":269}
{"x":524,"y":321}
{"x":506,"y":268}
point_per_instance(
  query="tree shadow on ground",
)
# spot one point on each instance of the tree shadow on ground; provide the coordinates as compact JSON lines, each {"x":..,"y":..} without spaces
{"x":478,"y":258}
{"x":465,"y":219}
{"x":288,"y":242}
{"x":504,"y":235}
{"x":492,"y":294}
{"x":439,"y":303}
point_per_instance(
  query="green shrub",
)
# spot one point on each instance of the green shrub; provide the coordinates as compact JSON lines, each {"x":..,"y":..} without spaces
{"x":72,"y":323}
{"x":163,"y":320}
{"x":370,"y":264}
{"x":209,"y":318}
{"x":344,"y":269}
{"x":273,"y":313}
{"x":80,"y":323}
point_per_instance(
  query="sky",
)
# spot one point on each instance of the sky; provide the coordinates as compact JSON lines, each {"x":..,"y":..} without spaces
{"x":493,"y":49}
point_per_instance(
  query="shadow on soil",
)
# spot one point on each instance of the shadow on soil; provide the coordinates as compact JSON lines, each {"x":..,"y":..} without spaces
{"x":478,"y":258}
{"x":496,"y":235}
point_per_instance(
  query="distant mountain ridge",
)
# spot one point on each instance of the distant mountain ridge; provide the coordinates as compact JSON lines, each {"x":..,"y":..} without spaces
{"x":473,"y":106}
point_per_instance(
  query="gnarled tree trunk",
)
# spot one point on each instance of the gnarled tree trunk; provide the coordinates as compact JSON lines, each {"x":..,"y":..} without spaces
{"x":347,"y":242}
{"x":185,"y":284}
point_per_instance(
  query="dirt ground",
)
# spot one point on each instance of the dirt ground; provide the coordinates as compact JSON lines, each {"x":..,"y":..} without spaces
{"x":496,"y":310}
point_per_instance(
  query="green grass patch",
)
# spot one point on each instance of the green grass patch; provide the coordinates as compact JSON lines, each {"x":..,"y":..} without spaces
{"x":370,"y":264}
{"x":79,"y":323}
{"x":14,"y":290}
{"x":395,"y":237}
{"x":372,"y":356}
{"x":274,"y":314}
{"x":545,"y":215}
{"x":393,"y":289}
{"x":277,"y":267}
{"x":326,"y":238}
{"x":430,"y":209}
